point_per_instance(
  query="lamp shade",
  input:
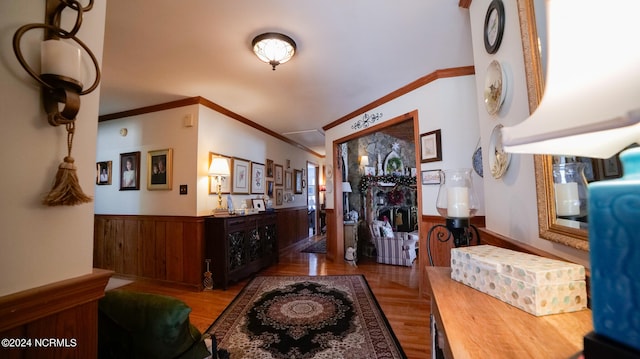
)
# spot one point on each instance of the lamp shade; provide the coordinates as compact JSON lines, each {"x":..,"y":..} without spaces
{"x":274,"y":48}
{"x":219,"y":167}
{"x":346,"y":187}
{"x":364,"y":161}
{"x":591,"y":101}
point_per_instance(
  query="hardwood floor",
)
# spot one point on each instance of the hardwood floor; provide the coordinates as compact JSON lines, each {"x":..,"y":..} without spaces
{"x":395,"y":288}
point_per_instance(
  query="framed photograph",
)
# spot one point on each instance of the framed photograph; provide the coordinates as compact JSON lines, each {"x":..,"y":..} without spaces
{"x":369,"y":171}
{"x":278,"y":196}
{"x":430,"y":147}
{"x":258,"y":204}
{"x":269,"y":168}
{"x":278,"y":175}
{"x":241,"y":176}
{"x":159,"y":169}
{"x":270,"y":189}
{"x":257,"y":178}
{"x":431,"y":177}
{"x":225,"y":181}
{"x":298,"y":178}
{"x":103,"y":172}
{"x":130,"y":171}
{"x":288,"y":182}
{"x":611,"y":167}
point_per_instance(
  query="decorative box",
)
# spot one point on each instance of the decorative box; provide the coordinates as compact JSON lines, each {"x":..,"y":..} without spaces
{"x":535,"y":284}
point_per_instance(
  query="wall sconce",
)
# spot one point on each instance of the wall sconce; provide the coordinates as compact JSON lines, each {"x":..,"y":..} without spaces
{"x":274,"y":48}
{"x":219,"y":169}
{"x":60,"y":81}
{"x":457,"y":202}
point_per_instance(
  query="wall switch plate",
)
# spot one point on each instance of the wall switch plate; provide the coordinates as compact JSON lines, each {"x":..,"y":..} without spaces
{"x":183,"y":189}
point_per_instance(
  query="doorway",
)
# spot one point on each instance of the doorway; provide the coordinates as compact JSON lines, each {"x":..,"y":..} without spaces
{"x":312,"y":198}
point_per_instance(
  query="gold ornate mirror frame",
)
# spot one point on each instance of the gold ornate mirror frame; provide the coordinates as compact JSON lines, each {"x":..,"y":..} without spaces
{"x":547,"y":225}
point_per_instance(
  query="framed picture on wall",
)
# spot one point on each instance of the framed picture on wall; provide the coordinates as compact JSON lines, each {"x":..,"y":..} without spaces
{"x":130,"y":171}
{"x":431,"y":177}
{"x":241,"y":176}
{"x":225,"y":182}
{"x":288,"y":182}
{"x":270,"y":189}
{"x":159,"y":169}
{"x":430,"y":147}
{"x":278,"y":173}
{"x":103,"y":173}
{"x":298,"y":181}
{"x":269,"y":168}
{"x":278,"y":196}
{"x":257,"y":178}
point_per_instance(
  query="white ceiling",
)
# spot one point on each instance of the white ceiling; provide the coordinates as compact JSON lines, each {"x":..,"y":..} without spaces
{"x":349,"y":54}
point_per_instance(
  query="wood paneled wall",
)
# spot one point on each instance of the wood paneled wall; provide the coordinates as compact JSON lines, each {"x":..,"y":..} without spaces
{"x":66,"y":311}
{"x":292,"y":225}
{"x":170,"y":248}
{"x":155,"y":247}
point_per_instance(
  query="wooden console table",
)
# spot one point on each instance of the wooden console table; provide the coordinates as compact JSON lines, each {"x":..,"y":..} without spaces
{"x":476,"y":325}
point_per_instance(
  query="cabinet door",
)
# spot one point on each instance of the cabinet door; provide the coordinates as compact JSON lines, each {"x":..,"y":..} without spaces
{"x":237,"y":254}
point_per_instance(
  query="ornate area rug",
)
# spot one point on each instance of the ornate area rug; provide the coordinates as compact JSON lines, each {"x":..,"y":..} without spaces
{"x":306,"y":317}
{"x":317,"y":247}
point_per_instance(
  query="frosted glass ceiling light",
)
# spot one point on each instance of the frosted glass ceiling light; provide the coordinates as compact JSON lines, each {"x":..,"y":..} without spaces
{"x":274,"y":48}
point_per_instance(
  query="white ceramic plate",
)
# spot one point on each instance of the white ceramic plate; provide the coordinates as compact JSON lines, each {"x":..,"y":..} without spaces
{"x":495,"y":87}
{"x":329,"y":186}
{"x":498,"y":159}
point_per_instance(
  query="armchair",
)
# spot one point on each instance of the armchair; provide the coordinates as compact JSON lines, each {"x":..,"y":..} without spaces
{"x":397,"y":248}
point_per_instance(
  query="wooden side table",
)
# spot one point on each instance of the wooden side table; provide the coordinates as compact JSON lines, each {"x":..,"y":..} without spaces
{"x":472,"y":324}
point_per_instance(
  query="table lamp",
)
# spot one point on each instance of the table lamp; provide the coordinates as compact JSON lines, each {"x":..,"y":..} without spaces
{"x":591,"y":108}
{"x":219,"y":169}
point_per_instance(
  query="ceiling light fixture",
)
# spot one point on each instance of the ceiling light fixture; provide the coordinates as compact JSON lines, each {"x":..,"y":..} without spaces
{"x":274,"y":48}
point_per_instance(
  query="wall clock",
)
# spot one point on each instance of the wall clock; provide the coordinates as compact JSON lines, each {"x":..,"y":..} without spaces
{"x":494,"y":26}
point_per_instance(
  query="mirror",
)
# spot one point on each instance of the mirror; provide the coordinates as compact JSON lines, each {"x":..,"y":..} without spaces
{"x":550,"y":227}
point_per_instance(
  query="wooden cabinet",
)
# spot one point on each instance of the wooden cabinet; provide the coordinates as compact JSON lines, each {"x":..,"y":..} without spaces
{"x":239,"y":246}
{"x":467,"y":323}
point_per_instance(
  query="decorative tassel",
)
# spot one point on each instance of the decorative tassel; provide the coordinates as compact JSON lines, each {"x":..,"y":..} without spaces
{"x":66,"y":191}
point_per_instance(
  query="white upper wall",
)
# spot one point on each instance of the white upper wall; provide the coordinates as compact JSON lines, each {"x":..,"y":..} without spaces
{"x":150,"y":132}
{"x":226,"y":136}
{"x":38,"y":244}
{"x":211,"y":131}
{"x":512,"y":208}
{"x":447,"y":104}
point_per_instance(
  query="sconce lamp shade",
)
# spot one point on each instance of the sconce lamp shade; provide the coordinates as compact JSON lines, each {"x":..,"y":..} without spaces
{"x":364,"y":161}
{"x":591,"y":101}
{"x":219,"y":167}
{"x":274,"y":48}
{"x":346,"y":187}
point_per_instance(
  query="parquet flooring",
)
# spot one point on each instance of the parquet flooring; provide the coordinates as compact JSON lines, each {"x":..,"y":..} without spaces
{"x":395,"y":288}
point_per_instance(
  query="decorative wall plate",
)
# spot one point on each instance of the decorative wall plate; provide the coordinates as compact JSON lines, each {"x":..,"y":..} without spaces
{"x":477,"y":161}
{"x":329,"y":186}
{"x":495,"y":87}
{"x":498,"y":159}
{"x":328,"y":171}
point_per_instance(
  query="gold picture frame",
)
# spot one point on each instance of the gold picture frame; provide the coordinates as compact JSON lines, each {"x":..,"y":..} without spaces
{"x":159,"y":169}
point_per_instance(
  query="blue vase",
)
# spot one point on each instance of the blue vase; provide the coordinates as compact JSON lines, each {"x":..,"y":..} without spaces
{"x":614,"y":241}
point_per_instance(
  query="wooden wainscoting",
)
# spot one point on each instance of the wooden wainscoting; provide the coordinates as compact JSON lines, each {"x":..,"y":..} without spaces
{"x":292,"y":225}
{"x":66,"y":311}
{"x":155,"y":247}
{"x":171,"y":248}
